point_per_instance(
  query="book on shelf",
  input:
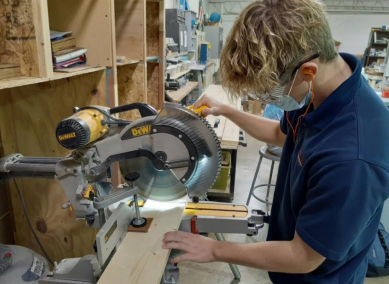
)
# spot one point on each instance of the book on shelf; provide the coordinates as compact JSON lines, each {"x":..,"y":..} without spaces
{"x":68,"y":54}
{"x":69,"y":63}
{"x":54,"y":35}
{"x":9,"y":71}
{"x":64,"y":43}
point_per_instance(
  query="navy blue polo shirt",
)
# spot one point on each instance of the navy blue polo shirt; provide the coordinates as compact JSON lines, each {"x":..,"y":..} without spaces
{"x":333,"y":181}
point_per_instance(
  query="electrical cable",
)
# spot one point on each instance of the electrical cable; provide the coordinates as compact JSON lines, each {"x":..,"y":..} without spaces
{"x":29,"y":223}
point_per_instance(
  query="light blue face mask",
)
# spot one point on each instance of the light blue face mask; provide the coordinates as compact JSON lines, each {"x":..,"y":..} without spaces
{"x":286,"y":102}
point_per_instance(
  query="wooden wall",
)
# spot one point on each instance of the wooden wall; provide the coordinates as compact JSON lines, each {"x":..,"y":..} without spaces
{"x":17,"y":36}
{"x":6,"y":220}
{"x":28,"y":119}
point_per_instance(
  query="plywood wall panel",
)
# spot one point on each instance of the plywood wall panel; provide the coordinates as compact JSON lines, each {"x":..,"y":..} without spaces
{"x":28,"y":118}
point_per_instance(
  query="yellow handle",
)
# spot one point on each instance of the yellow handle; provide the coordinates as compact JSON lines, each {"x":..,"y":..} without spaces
{"x":199,"y":110}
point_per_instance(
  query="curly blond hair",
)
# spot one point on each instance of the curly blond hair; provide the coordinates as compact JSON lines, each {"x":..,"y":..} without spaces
{"x":267,"y":38}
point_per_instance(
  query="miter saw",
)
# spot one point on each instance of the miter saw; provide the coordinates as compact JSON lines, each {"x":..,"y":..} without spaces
{"x":163,"y":156}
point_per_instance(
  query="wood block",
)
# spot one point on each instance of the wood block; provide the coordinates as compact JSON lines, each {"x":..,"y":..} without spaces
{"x":9,"y":71}
{"x":140,"y":258}
{"x":143,"y":229}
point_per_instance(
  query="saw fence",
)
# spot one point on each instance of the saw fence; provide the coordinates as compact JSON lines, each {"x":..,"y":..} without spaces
{"x":31,"y":105}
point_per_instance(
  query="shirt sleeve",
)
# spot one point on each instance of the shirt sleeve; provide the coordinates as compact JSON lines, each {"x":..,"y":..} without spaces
{"x":342,"y":198}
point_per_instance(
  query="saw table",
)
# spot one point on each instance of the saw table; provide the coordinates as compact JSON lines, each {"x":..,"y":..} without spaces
{"x":228,"y":134}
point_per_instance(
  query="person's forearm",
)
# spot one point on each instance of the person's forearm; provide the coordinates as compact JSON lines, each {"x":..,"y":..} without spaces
{"x":271,"y":256}
{"x":260,"y":128}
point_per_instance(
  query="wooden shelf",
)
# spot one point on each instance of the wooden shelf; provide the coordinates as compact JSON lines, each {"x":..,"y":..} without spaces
{"x":127,"y":62}
{"x":177,"y":96}
{"x":178,"y":75}
{"x":24,"y":81}
{"x":177,"y":55}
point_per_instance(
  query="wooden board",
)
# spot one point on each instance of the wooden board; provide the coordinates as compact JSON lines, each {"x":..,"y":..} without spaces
{"x":24,"y":81}
{"x":91,"y":24}
{"x":152,"y":84}
{"x":18,"y":36}
{"x":140,"y":258}
{"x":177,"y":96}
{"x":227,"y":131}
{"x":152,"y":28}
{"x":131,"y":87}
{"x":43,"y":43}
{"x":28,"y":118}
{"x":130,"y":21}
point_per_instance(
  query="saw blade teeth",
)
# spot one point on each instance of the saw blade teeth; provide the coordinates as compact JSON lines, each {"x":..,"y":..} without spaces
{"x":196,"y":183}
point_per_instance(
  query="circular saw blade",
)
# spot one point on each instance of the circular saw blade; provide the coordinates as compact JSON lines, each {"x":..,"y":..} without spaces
{"x":154,"y":184}
{"x":180,"y":134}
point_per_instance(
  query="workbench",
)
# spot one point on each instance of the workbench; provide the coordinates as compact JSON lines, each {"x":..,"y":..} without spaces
{"x":228,"y":134}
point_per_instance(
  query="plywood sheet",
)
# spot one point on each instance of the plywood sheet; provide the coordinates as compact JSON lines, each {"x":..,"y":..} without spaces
{"x":152,"y":28}
{"x":28,"y":118}
{"x":153,"y":84}
{"x":91,"y":24}
{"x":130,"y":21}
{"x":140,"y":258}
{"x":18,"y":36}
{"x":131,"y":87}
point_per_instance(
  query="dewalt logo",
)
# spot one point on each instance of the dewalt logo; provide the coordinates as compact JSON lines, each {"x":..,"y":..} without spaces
{"x":67,"y":136}
{"x":141,"y":130}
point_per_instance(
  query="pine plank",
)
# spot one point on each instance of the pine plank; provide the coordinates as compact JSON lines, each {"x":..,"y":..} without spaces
{"x":140,"y":258}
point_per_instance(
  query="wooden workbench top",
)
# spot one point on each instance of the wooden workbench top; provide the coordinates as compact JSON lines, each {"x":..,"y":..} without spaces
{"x":227,"y":131}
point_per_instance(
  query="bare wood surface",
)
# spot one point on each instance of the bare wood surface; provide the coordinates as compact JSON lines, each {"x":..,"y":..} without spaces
{"x":177,"y":96}
{"x":18,"y":42}
{"x":152,"y":28}
{"x":140,"y":258}
{"x":28,"y":118}
{"x":131,"y":87}
{"x":25,"y":81}
{"x":130,"y":21}
{"x":227,"y":131}
{"x":153,"y":84}
{"x":90,"y":23}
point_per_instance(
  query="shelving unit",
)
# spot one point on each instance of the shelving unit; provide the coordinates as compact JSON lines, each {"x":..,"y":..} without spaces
{"x":372,"y":44}
{"x":177,"y":96}
{"x":33,"y":104}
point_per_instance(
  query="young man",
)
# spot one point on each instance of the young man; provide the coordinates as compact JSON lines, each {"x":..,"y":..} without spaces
{"x":333,"y":176}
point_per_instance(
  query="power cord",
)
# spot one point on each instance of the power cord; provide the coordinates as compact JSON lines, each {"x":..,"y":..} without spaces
{"x":29,"y":223}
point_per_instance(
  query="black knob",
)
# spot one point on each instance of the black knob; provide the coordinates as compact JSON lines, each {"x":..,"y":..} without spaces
{"x":195,"y":199}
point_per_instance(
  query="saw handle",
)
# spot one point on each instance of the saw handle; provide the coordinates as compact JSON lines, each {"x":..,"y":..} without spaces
{"x":199,"y":110}
{"x":144,"y":109}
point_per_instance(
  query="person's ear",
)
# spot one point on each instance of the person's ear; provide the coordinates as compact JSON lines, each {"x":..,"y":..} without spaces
{"x":309,"y":71}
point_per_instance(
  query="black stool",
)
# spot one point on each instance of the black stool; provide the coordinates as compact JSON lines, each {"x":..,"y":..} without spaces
{"x":263,"y":153}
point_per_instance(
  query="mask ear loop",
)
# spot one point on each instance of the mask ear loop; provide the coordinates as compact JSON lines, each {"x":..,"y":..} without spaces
{"x":294,"y":129}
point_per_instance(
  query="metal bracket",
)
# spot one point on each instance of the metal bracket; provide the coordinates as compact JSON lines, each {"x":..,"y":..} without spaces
{"x":9,"y":159}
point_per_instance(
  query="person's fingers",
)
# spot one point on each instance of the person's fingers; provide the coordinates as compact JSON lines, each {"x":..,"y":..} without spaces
{"x":201,"y":102}
{"x":183,"y":257}
{"x":177,"y":246}
{"x":176,"y":236}
{"x":207,"y":111}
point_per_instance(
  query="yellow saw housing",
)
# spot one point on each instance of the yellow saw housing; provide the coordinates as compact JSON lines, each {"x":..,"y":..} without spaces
{"x":81,"y":128}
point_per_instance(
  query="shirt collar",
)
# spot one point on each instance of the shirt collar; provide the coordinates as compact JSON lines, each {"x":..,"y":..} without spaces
{"x":330,"y":107}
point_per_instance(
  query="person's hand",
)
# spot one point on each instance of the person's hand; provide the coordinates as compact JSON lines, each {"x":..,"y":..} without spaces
{"x":197,"y":248}
{"x":214,"y":107}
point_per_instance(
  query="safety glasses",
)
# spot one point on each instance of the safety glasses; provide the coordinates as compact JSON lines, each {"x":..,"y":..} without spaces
{"x":279,"y":92}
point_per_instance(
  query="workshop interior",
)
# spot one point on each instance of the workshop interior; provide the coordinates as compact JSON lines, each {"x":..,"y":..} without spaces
{"x":102,"y":150}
